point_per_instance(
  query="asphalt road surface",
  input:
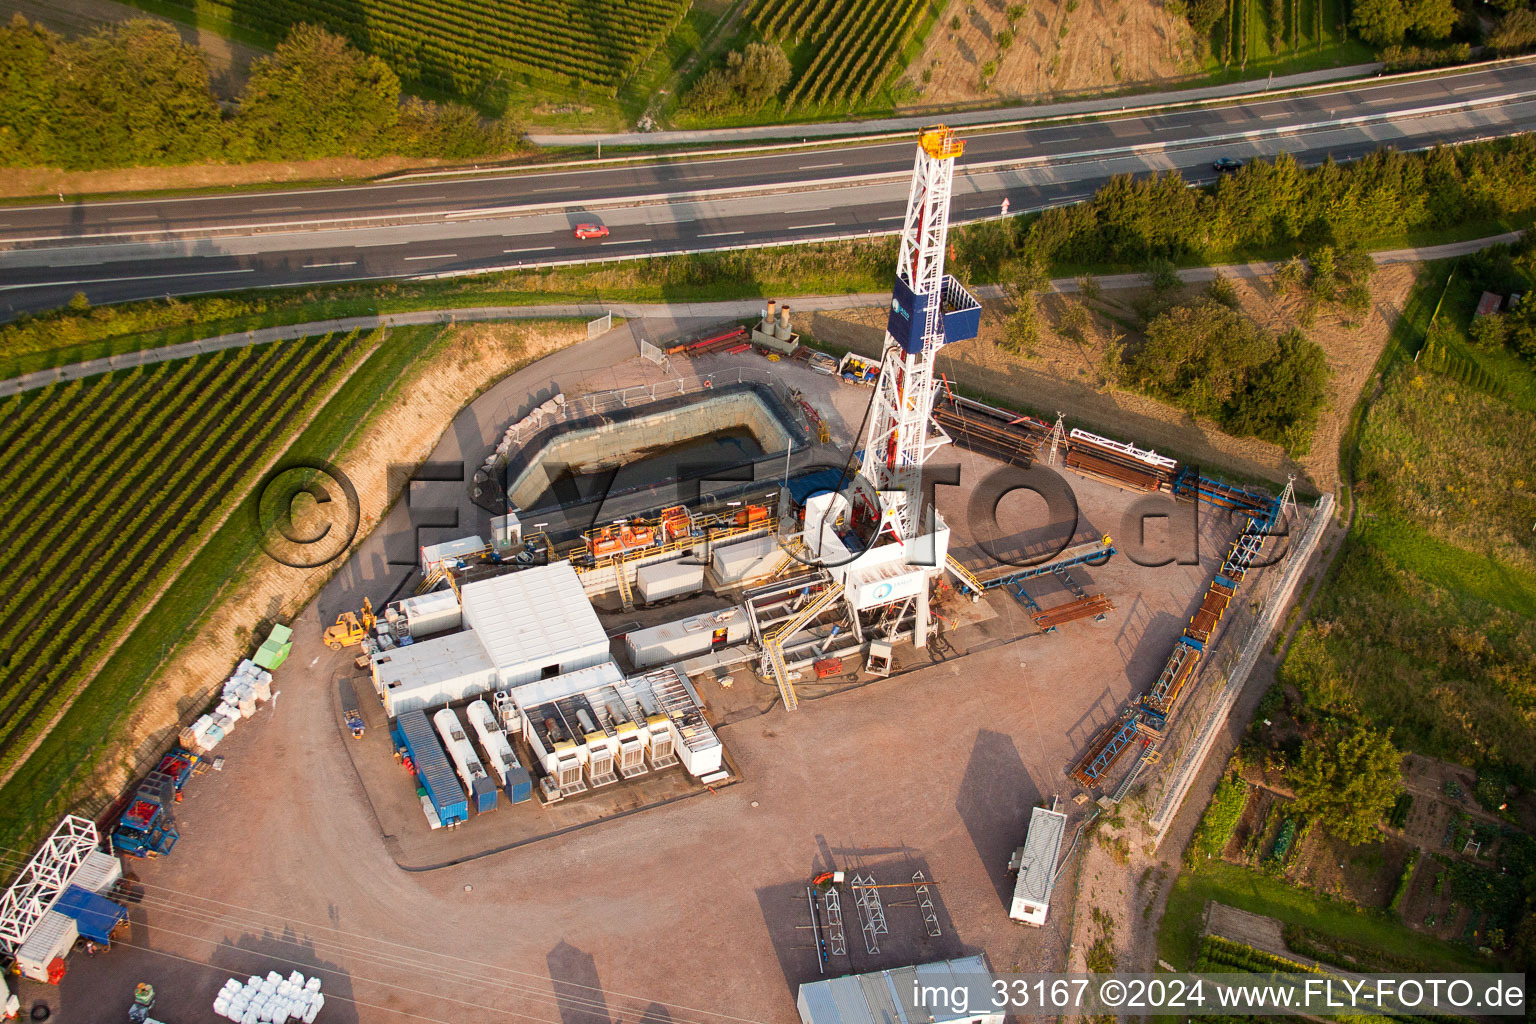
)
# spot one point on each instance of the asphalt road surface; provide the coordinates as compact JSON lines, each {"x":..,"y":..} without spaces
{"x":118,"y":251}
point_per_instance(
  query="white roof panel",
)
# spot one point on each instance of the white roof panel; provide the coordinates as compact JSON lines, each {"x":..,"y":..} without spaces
{"x":885,"y":997}
{"x":430,"y":662}
{"x":534,"y":618}
{"x":1042,"y":846}
{"x":541,"y":691}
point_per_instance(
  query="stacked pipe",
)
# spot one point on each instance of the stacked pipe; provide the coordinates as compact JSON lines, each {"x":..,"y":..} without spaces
{"x":1119,"y":463}
{"x":990,"y":431}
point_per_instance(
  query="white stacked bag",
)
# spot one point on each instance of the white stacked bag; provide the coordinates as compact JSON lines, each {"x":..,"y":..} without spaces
{"x":243,"y":691}
{"x":270,"y":1000}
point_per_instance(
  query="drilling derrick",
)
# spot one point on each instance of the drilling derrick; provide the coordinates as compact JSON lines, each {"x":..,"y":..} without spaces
{"x":882,"y":546}
{"x":928,"y":310}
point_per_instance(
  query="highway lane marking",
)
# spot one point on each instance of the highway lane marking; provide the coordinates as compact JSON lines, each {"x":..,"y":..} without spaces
{"x":899,"y":216}
{"x":421,"y":199}
{"x":376,"y":245}
{"x":627,"y":241}
{"x":806,"y":227}
{"x":114,"y":280}
{"x":539,"y":248}
{"x":438,"y":256}
{"x":317,"y":266}
{"x":278,"y":209}
{"x":123,"y":220}
{"x":721,"y":234}
{"x":816,"y":167}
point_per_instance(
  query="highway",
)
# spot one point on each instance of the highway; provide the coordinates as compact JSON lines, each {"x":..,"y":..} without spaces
{"x":121,"y":250}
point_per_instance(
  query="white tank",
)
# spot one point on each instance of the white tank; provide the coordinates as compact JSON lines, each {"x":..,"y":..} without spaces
{"x":456,"y":741}
{"x":492,"y":738}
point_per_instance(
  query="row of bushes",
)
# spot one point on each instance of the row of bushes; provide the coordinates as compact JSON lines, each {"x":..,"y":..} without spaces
{"x":1272,"y":204}
{"x":135,"y":94}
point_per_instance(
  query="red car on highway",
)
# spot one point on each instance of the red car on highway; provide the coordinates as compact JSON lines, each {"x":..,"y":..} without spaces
{"x":591,"y":231}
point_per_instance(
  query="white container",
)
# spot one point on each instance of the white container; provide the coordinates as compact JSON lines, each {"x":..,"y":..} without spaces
{"x":432,"y":673}
{"x":460,"y":750}
{"x":53,"y":936}
{"x":687,"y":638}
{"x":747,"y":560}
{"x":661,"y":580}
{"x":432,"y":613}
{"x":98,"y":872}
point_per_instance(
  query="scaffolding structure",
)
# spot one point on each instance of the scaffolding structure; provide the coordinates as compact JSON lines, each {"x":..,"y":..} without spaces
{"x":44,"y":879}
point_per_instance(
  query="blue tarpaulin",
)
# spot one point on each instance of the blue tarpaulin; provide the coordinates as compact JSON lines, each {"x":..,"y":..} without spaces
{"x":95,"y":916}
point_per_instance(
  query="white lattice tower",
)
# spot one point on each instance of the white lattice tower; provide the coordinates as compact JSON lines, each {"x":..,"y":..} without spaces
{"x":44,"y":878}
{"x":900,"y":439}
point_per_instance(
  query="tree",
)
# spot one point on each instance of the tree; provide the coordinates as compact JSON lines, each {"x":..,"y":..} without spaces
{"x":758,"y":73}
{"x":1514,"y":32}
{"x":28,"y":85}
{"x":137,"y":94}
{"x":1387,"y":22}
{"x":1432,"y":19}
{"x":749,"y":79}
{"x":1021,"y":329}
{"x":1348,"y":779}
{"x":318,"y":96}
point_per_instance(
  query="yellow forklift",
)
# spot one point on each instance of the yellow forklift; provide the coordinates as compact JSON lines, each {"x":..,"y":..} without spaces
{"x":350,"y":629}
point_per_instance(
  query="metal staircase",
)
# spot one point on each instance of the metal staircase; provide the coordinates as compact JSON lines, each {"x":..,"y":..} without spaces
{"x":966,"y":578}
{"x":773,"y":643}
{"x":626,"y":595}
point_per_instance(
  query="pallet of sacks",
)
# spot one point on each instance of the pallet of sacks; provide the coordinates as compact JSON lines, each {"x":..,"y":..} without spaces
{"x":270,"y":1000}
{"x":249,"y":687}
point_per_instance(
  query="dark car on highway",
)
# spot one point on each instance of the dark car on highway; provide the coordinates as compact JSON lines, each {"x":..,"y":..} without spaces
{"x":1227,"y":165}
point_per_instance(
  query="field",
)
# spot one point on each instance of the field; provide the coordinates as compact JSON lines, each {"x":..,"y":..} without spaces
{"x":843,"y":50}
{"x":1052,"y":48}
{"x":1428,"y":622}
{"x":469,"y":48}
{"x":112,"y":482}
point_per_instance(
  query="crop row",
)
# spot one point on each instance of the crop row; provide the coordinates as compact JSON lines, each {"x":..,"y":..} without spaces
{"x":171,"y":526}
{"x":43,"y":536}
{"x":199,"y":430}
{"x":101,"y":537}
{"x":93,"y":420}
{"x":455,"y":42}
{"x":856,"y":45}
{"x":858,"y":33}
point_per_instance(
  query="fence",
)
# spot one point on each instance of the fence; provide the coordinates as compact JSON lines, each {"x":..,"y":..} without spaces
{"x":602,"y":325}
{"x":1239,"y":659}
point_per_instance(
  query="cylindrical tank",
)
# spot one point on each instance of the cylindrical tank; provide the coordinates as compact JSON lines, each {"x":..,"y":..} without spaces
{"x":456,"y":742}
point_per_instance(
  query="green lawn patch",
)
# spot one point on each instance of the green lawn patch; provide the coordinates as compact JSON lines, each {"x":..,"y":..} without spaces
{"x":1179,"y":940}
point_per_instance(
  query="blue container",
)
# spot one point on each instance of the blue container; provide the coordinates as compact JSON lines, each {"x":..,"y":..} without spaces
{"x":95,"y":916}
{"x":485,"y":794}
{"x":519,"y":784}
{"x":432,"y":767}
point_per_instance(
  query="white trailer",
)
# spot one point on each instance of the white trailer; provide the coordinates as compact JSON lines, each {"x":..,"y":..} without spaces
{"x":1036,"y":862}
{"x":51,"y":939}
{"x":477,"y":783}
